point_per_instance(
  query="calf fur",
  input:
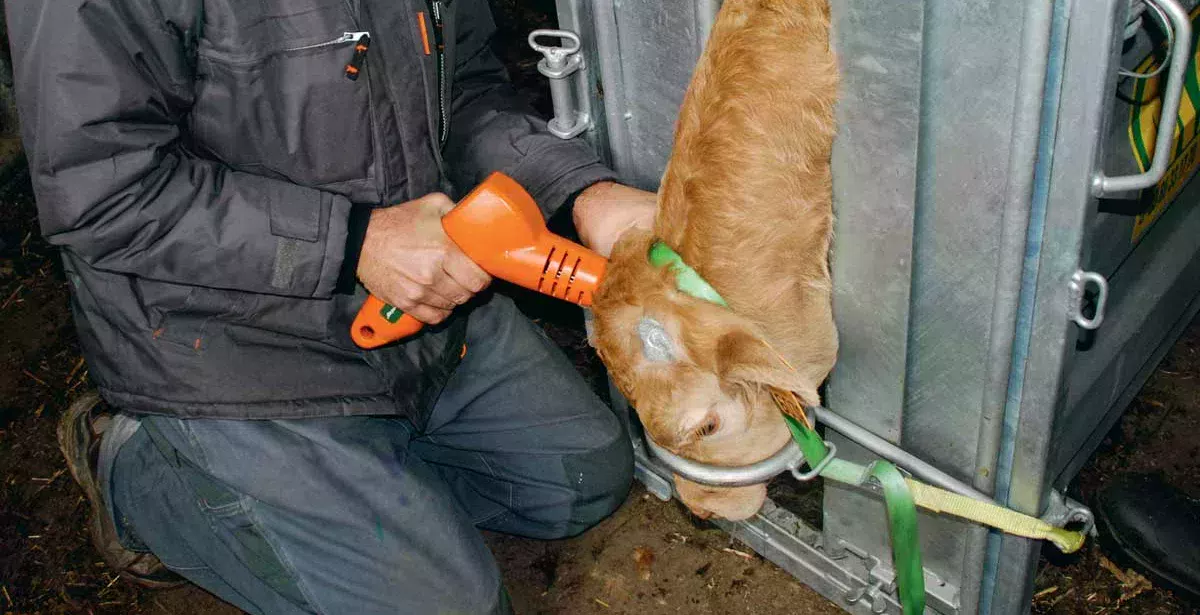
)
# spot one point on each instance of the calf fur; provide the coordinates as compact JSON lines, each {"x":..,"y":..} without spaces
{"x":746,"y":200}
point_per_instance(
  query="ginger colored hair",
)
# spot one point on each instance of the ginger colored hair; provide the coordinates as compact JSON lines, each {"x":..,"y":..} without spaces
{"x":746,"y":200}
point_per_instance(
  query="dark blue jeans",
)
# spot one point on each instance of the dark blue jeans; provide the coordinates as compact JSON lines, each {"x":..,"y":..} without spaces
{"x":365,"y":515}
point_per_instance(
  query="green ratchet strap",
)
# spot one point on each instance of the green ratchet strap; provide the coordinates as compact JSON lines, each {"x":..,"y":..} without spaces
{"x":901,"y":510}
{"x":901,"y":495}
{"x":906,"y":549}
{"x":810,"y":443}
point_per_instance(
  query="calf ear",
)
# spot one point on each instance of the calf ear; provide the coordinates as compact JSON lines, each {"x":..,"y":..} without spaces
{"x":745,"y":360}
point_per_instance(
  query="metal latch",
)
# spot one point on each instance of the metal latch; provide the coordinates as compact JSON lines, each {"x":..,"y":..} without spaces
{"x":572,"y":105}
{"x":1079,"y":284}
{"x":880,"y":581}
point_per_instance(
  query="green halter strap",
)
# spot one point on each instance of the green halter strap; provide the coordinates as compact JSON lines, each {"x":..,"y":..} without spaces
{"x":686,"y":279}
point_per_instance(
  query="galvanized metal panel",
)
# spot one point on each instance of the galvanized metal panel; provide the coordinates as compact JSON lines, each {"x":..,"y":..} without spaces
{"x":956,"y":237}
{"x":879,"y":55}
{"x":963,"y":63}
{"x":659,"y":43}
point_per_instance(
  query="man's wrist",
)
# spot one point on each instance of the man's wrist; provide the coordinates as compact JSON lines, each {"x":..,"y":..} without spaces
{"x":587,"y":199}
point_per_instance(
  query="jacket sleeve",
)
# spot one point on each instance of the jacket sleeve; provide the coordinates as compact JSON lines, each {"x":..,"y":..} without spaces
{"x":493,"y":129}
{"x":103,"y":88}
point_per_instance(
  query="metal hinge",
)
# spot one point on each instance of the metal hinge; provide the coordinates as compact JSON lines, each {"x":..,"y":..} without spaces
{"x":1079,"y":284}
{"x":572,"y":105}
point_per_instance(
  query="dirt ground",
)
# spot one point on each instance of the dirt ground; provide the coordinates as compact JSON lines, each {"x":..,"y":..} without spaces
{"x":651,"y":557}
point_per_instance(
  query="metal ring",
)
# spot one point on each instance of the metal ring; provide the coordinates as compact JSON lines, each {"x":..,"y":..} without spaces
{"x":1078,"y":285}
{"x":788,"y":457}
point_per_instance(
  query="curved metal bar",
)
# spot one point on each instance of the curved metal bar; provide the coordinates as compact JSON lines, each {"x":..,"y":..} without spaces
{"x":790,"y":457}
{"x":907,"y":461}
{"x":786,"y":459}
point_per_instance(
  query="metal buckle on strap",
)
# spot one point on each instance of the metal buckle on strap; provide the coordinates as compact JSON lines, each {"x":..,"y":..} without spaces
{"x":815,"y":472}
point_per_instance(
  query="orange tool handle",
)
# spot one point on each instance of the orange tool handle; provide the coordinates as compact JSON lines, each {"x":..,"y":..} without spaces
{"x":500,"y":228}
{"x":378,"y":323}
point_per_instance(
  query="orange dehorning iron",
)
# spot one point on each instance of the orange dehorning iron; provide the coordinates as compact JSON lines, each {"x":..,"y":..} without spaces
{"x":499,"y":227}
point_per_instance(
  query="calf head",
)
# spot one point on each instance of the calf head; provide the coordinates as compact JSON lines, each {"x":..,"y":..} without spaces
{"x":698,"y":374}
{"x":746,"y":200}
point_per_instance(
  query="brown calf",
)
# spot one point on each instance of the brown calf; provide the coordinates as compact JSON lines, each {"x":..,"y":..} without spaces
{"x":746,"y":201}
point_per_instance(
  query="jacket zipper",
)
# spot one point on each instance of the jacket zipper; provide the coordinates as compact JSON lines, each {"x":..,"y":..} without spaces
{"x":346,"y":37}
{"x":381,"y":176}
{"x":443,"y":125}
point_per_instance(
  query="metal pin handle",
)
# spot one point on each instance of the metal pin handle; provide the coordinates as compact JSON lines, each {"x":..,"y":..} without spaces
{"x":1177,"y":17}
{"x":569,"y":97}
{"x":555,"y":55}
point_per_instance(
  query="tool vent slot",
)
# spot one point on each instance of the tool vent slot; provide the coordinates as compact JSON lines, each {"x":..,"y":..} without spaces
{"x":558,"y":273}
{"x":571,"y":278}
{"x":546,"y":268}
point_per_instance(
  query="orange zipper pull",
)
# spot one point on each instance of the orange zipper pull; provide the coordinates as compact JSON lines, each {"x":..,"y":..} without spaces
{"x":360,"y":54}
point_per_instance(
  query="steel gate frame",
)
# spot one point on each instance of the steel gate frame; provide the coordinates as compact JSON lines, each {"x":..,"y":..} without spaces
{"x":981,"y":128}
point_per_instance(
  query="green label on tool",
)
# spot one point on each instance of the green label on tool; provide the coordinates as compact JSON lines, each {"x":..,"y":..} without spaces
{"x":391,"y":314}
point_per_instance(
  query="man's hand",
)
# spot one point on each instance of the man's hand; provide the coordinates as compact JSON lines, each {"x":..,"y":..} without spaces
{"x":408,"y":261}
{"x":606,"y":210}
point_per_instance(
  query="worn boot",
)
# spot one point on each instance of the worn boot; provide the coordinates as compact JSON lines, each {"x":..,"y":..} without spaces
{"x":1154,"y":528}
{"x":79,"y":433}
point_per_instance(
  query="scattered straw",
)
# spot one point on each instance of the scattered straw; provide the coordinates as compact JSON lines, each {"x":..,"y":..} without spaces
{"x":7,"y":301}
{"x":48,"y":481}
{"x":1045,"y":592}
{"x":78,"y":364}
{"x":790,"y":405}
{"x":1065,"y":594}
{"x":741,"y":554}
{"x":109,"y":586}
{"x":1132,"y":583}
{"x":602,"y":603}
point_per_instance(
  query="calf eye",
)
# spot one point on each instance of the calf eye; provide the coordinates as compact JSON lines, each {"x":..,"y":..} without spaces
{"x":709,"y":426}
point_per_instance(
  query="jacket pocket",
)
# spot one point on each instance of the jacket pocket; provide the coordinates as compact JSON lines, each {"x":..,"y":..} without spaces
{"x":288,"y":109}
{"x":189,"y":316}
